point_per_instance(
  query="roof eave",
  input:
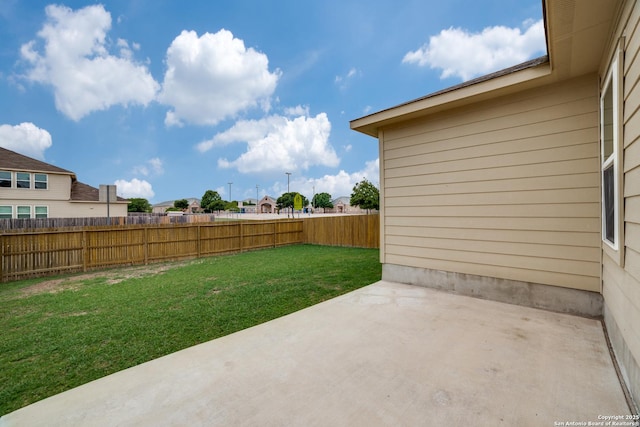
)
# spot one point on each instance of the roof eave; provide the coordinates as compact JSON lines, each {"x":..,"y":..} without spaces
{"x":455,"y":96}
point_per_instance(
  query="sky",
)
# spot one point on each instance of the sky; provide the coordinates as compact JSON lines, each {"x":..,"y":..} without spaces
{"x":169,"y":99}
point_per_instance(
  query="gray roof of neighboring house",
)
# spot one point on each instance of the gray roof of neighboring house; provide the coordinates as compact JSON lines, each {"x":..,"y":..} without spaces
{"x":344,"y":199}
{"x":170,"y":202}
{"x":16,"y":161}
{"x":81,"y":192}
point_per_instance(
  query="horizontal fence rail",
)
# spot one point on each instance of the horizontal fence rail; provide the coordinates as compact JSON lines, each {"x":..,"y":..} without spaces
{"x":47,"y":252}
{"x":18,"y":224}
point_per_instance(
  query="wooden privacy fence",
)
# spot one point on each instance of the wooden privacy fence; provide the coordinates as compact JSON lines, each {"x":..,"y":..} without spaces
{"x":42,"y":253}
{"x":361,"y":231}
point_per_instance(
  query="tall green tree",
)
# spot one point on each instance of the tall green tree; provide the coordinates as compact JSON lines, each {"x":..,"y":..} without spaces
{"x":322,"y":200}
{"x":286,"y":200}
{"x":365,"y":195}
{"x":211,"y":201}
{"x":181,"y":204}
{"x":137,"y":204}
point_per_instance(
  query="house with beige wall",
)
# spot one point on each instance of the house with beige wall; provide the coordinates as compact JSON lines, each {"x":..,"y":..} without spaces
{"x":267,"y":205}
{"x":30,"y":188}
{"x":523,"y":186}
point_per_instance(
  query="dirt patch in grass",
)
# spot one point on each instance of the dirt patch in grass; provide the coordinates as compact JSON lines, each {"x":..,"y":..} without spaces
{"x":111,"y":277}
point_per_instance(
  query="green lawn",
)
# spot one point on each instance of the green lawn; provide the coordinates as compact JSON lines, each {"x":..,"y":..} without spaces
{"x":58,"y":333}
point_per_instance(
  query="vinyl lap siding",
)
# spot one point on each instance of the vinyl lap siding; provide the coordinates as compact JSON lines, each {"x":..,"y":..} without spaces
{"x":621,"y":285}
{"x":507,"y":188}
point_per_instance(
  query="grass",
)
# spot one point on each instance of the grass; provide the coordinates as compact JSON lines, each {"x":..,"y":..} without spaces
{"x":63,"y":332}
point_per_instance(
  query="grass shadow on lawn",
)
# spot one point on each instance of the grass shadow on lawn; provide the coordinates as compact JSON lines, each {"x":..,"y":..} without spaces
{"x":63,"y":332}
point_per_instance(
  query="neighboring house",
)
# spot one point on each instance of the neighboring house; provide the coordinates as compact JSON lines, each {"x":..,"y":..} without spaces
{"x":267,"y":205}
{"x":30,"y":188}
{"x":247,"y":205}
{"x":194,"y":206}
{"x":524,"y":186}
{"x":343,"y":205}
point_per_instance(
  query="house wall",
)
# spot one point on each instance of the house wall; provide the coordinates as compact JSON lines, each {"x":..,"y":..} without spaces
{"x":621,"y":284}
{"x":507,"y":188}
{"x":58,"y":188}
{"x":90,"y":209}
{"x":67,"y":209}
{"x":56,"y":198}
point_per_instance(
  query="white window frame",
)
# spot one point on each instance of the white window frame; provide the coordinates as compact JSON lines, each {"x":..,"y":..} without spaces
{"x":10,"y":211}
{"x":10,"y":178}
{"x":36,"y":181}
{"x":35,"y":211}
{"x":24,"y":206}
{"x":28,"y":180}
{"x":613,"y":81}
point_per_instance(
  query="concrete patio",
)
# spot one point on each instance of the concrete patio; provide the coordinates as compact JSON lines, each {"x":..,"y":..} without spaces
{"x":385,"y":355}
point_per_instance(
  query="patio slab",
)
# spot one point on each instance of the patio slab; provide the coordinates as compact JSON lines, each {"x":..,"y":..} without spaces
{"x":387,"y":354}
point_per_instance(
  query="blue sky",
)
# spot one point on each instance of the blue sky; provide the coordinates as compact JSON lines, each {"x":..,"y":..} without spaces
{"x":168,"y":99}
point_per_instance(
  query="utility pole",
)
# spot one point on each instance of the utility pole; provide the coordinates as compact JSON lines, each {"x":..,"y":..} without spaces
{"x":229,"y":190}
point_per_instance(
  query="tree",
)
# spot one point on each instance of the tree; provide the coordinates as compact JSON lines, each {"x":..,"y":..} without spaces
{"x":181,"y":204}
{"x":211,"y":201}
{"x":137,"y":204}
{"x":231,"y":206}
{"x":322,"y":200}
{"x":286,"y":200}
{"x":365,"y":195}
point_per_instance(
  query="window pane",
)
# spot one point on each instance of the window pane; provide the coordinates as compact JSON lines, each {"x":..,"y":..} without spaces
{"x":607,"y":123}
{"x":5,"y":212}
{"x":5,"y":179}
{"x":23,"y":180}
{"x":40,"y":181}
{"x":42,"y":212}
{"x":608,"y":204}
{"x":24,"y":211}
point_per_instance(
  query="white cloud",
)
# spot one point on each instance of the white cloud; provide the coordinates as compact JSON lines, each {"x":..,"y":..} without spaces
{"x":278,"y":143}
{"x":458,"y":52}
{"x":76,"y":62}
{"x":25,"y":138}
{"x":214,"y":77}
{"x":134,"y":188}
{"x":343,"y":81}
{"x":152,"y":166}
{"x":298,"y":110}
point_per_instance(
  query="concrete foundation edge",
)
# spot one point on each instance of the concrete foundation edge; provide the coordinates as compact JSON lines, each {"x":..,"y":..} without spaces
{"x":627,"y":364}
{"x":553,"y":298}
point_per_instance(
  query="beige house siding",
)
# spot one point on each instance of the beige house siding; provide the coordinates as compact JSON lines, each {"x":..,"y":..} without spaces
{"x":58,"y":188}
{"x":56,"y":199}
{"x":621,"y":285}
{"x":506,"y":188}
{"x":66,"y":209}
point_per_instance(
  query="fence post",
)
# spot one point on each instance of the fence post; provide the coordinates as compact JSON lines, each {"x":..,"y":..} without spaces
{"x":241,"y":236}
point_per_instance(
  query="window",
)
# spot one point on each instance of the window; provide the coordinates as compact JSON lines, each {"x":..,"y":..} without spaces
{"x":5,"y":179}
{"x":609,"y":165}
{"x":23,"y":180}
{"x":6,"y":212}
{"x":40,"y":181}
{"x":610,"y":156}
{"x":24,"y":212}
{"x":42,"y":212}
